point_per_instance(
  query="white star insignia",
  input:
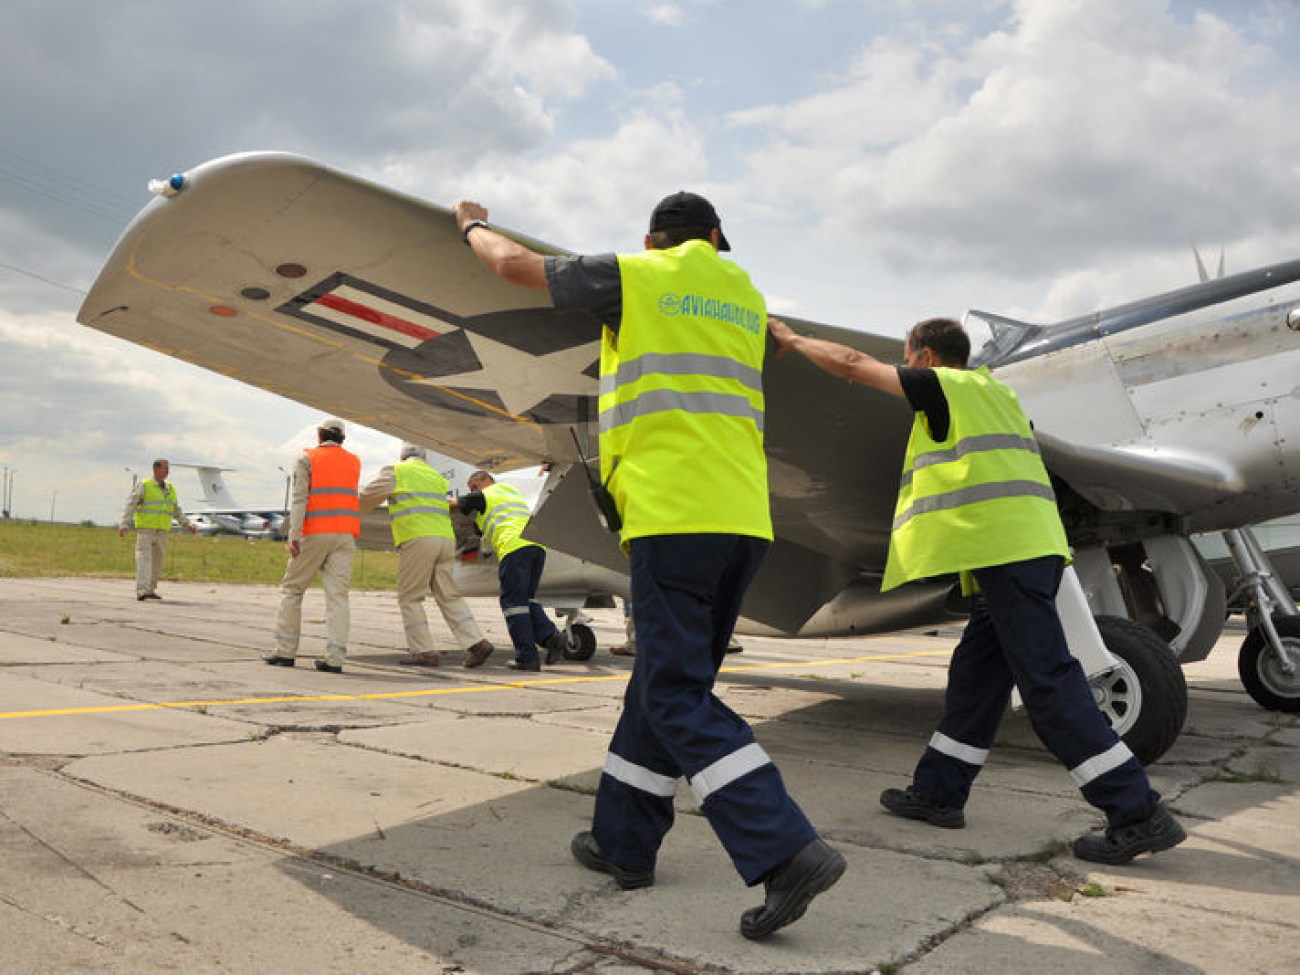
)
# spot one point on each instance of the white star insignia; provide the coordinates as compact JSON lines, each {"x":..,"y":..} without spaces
{"x":521,"y":379}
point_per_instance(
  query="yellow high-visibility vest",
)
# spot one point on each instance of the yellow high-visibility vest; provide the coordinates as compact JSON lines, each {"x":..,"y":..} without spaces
{"x":504,"y":520}
{"x":980,"y":498}
{"x":156,"y":507}
{"x":681,"y":397}
{"x":419,"y":507}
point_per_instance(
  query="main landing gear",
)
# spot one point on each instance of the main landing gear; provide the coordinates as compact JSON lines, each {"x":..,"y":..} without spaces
{"x":1145,"y":696}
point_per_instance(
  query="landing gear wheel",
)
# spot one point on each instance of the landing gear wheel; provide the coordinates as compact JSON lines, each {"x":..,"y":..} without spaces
{"x":1145,"y":697}
{"x":1261,"y":671}
{"x":581,"y":642}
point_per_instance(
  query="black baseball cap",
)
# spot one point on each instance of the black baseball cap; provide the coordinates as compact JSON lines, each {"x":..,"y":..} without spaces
{"x":684,"y":209}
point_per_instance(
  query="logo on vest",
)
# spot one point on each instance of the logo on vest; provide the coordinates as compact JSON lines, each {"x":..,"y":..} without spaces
{"x":698,"y":306}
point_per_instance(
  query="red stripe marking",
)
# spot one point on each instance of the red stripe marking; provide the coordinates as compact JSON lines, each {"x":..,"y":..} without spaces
{"x":376,"y":317}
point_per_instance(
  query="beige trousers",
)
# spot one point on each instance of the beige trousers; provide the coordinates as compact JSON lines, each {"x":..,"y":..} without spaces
{"x":150,"y":551}
{"x":331,"y":555}
{"x":425,"y":564}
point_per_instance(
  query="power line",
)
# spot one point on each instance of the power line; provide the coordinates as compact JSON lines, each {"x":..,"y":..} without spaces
{"x":42,"y":278}
{"x":62,"y":187}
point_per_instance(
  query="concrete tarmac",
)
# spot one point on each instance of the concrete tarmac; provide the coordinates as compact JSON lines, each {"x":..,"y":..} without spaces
{"x":170,"y":803}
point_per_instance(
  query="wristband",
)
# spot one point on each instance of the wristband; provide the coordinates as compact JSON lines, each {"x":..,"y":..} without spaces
{"x":470,"y":226}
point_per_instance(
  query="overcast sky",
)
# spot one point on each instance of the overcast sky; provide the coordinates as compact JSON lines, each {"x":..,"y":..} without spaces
{"x":873,"y":161}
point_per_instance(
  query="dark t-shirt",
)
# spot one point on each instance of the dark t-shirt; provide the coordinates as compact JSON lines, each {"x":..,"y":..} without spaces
{"x":472,"y":504}
{"x":925,"y":394}
{"x":592,"y":282}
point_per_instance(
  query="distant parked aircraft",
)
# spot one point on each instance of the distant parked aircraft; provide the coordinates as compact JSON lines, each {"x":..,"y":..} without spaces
{"x":221,"y":515}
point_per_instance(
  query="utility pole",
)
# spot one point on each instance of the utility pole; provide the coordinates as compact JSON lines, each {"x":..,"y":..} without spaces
{"x":288,"y":479}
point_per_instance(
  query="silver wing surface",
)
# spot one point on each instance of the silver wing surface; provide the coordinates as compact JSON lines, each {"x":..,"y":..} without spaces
{"x":365,"y":303}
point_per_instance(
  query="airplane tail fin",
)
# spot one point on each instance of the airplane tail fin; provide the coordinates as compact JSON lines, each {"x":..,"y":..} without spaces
{"x":1202,"y":274}
{"x":213,"y":485}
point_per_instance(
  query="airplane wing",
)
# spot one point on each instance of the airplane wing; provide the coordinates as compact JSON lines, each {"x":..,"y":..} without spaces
{"x":1140,"y":478}
{"x":346,"y":296}
{"x":365,"y":303}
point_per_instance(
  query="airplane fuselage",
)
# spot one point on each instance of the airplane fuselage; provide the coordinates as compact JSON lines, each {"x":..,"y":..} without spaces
{"x":1216,"y":388}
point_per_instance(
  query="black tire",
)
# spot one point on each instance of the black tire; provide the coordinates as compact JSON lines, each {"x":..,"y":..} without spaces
{"x":581,"y":644}
{"x":1145,"y":697}
{"x":1261,"y":672}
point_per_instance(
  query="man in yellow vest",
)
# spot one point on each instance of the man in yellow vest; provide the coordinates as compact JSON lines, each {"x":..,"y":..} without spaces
{"x":681,"y":453}
{"x":150,"y":510}
{"x":976,"y":499}
{"x":324,"y":522}
{"x":501,"y":514}
{"x":426,"y":554}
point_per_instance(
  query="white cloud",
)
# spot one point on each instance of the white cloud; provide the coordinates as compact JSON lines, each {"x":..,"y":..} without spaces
{"x":668,"y":14}
{"x":654,"y":151}
{"x":81,"y":406}
{"x":1079,"y":129}
{"x":1037,"y":158}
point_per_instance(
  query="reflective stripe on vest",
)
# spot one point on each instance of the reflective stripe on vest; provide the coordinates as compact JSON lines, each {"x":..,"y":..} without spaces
{"x":653,"y":364}
{"x":332,"y":505}
{"x":681,"y":397}
{"x":979,"y":499}
{"x":418,"y":506}
{"x":156,"y":506}
{"x":504,"y":520}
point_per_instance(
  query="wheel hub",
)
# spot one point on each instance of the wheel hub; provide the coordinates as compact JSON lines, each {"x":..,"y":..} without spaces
{"x":1274,"y":675}
{"x":1118,"y":694}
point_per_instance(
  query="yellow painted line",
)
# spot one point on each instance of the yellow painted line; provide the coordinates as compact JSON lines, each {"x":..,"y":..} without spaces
{"x":438,"y":691}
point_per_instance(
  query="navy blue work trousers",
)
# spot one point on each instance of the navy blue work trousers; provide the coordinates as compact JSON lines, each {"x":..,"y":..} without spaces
{"x":519,"y":573}
{"x":1015,"y":637}
{"x":686,"y":595}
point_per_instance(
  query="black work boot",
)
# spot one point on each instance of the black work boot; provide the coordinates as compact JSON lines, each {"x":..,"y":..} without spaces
{"x":910,"y":805}
{"x":1120,"y":844}
{"x":587,"y":851}
{"x":554,"y":645}
{"x":791,"y":888}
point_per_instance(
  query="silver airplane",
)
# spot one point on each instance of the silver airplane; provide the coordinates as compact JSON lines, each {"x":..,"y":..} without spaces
{"x":1172,"y":415}
{"x":220,"y":514}
{"x":1167,"y":417}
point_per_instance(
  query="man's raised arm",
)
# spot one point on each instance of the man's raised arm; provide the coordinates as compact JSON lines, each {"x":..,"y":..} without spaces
{"x":838,"y":360}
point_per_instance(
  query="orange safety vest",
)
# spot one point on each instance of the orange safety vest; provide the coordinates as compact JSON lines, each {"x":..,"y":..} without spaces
{"x":332,"y":506}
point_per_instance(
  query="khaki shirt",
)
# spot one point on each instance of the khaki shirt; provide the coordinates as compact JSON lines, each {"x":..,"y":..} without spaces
{"x":298,"y":501}
{"x":379,"y":489}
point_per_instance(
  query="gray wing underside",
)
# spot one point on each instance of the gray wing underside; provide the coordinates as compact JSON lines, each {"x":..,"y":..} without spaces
{"x":365,"y":303}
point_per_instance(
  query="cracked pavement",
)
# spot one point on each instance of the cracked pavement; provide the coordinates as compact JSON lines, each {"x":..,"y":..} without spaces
{"x":168,"y":802}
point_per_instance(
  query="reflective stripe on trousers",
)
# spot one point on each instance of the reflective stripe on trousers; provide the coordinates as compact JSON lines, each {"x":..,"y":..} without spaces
{"x":719,"y":775}
{"x":1015,"y":636}
{"x":519,"y":574}
{"x":686,"y":594}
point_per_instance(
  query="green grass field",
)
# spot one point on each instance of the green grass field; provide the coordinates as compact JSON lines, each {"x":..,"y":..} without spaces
{"x":30,"y":548}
